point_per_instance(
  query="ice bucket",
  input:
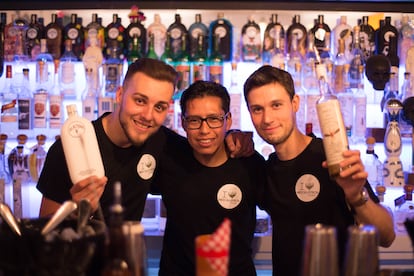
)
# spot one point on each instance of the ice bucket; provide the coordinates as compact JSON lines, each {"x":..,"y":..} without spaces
{"x":32,"y":254}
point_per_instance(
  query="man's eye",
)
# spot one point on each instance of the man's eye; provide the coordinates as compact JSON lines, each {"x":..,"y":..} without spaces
{"x":214,"y":119}
{"x":161,"y":108}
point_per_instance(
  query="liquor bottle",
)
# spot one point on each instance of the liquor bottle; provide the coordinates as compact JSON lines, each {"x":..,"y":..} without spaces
{"x":135,"y":28}
{"x":160,"y":34}
{"x":177,"y":32}
{"x":269,"y":37}
{"x":76,"y":34}
{"x":373,"y":165}
{"x":116,"y":261}
{"x":235,"y":97}
{"x":294,"y":56}
{"x":21,"y":176}
{"x":367,"y":38}
{"x":390,"y":91}
{"x":407,"y":91}
{"x":196,"y":29}
{"x":20,"y":58}
{"x":105,"y":102}
{"x":406,"y":38}
{"x":96,"y":30}
{"x":24,"y":103}
{"x":250,"y":41}
{"x":167,"y":55}
{"x":33,"y":35}
{"x":346,"y":101}
{"x":67,"y":71}
{"x":113,"y":69}
{"x":9,"y":111}
{"x":344,"y":31}
{"x":224,"y":29}
{"x":309,"y":130}
{"x":4,"y":175}
{"x":297,"y":31}
{"x":41,"y":95}
{"x":301,"y":113}
{"x":53,"y":32}
{"x":80,"y":146}
{"x":182,"y":66}
{"x":357,"y":59}
{"x":338,"y":70}
{"x":215,"y":62}
{"x":383,"y":34}
{"x":312,"y":96}
{"x":90,"y":95}
{"x":114,"y":36}
{"x":55,"y":99}
{"x":404,"y":208}
{"x":151,"y":50}
{"x":3,"y":20}
{"x":37,"y":157}
{"x":360,"y":104}
{"x":322,"y":37}
{"x":335,"y":140}
{"x":393,"y":56}
{"x":278,"y":57}
{"x":135,"y":50}
{"x":199,"y":61}
{"x":92,"y":61}
{"x":10,"y":33}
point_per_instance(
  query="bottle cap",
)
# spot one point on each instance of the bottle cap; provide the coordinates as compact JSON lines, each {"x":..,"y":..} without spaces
{"x":22,"y":138}
{"x":71,"y":109}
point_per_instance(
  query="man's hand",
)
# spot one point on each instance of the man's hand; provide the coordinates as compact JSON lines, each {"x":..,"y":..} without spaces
{"x":90,"y":188}
{"x":240,"y":143}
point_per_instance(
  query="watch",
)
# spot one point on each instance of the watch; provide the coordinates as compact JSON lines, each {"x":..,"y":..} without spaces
{"x":363,"y":198}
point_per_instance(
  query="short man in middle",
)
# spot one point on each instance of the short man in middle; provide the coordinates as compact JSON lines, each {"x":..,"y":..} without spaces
{"x":200,"y":185}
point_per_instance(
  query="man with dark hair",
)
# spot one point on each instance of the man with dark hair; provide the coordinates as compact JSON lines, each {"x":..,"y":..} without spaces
{"x":299,"y":191}
{"x":131,"y":140}
{"x":201,"y":185}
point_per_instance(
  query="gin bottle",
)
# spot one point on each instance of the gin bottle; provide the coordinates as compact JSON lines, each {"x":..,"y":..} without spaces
{"x":372,"y":164}
{"x":177,"y":32}
{"x":406,"y":38}
{"x":342,"y":31}
{"x":215,"y":62}
{"x":136,"y":29}
{"x":222,"y":28}
{"x":114,"y":35}
{"x":67,"y":71}
{"x":134,"y":53}
{"x":357,"y":59}
{"x":199,"y":61}
{"x":3,"y":19}
{"x":250,"y":41}
{"x":53,"y":32}
{"x":33,"y":35}
{"x":55,"y":101}
{"x":274,"y":30}
{"x":194,"y":31}
{"x":9,"y":110}
{"x":160,"y":34}
{"x":96,"y":30}
{"x":24,"y":100}
{"x":235,"y":97}
{"x":367,"y":38}
{"x":322,"y":37}
{"x":75,"y":33}
{"x":4,"y":175}
{"x":383,"y":35}
{"x":297,"y":31}
{"x":360,"y":104}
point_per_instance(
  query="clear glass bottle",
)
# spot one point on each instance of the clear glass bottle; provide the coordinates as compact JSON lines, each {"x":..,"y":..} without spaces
{"x":67,"y":80}
{"x":406,"y":38}
{"x":160,"y":34}
{"x":55,"y":101}
{"x":312,"y":96}
{"x":270,"y":36}
{"x":235,"y":98}
{"x":393,"y":56}
{"x":360,"y":104}
{"x":4,"y":175}
{"x":294,"y":56}
{"x":278,"y":58}
{"x":182,"y":66}
{"x":342,"y":31}
{"x":346,"y":101}
{"x":301,"y":113}
{"x":250,"y":41}
{"x":194,"y":31}
{"x":215,"y":62}
{"x":407,"y":91}
{"x":9,"y":110}
{"x":90,"y":95}
{"x":113,"y":68}
{"x":199,"y":61}
{"x":297,"y":31}
{"x":338,"y":68}
{"x":373,"y":165}
{"x":335,"y":140}
{"x":357,"y":59}
{"x":404,"y":208}
{"x":222,"y":28}
{"x":24,"y":99}
{"x":37,"y":157}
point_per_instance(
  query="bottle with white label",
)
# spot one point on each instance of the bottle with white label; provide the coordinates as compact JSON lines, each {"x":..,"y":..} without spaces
{"x":335,"y":140}
{"x":80,"y":146}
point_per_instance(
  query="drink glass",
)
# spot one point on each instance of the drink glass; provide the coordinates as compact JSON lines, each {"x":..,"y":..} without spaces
{"x":136,"y":250}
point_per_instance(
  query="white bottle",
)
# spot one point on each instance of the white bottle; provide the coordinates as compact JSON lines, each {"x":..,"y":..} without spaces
{"x":80,"y":146}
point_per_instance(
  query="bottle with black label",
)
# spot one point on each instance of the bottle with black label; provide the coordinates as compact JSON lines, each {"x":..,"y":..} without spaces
{"x":3,"y":19}
{"x":222,"y":28}
{"x":383,"y":35}
{"x":367,"y":38}
{"x":53,"y":32}
{"x":322,"y":37}
{"x":24,"y":100}
{"x":114,"y":34}
{"x":75,"y":32}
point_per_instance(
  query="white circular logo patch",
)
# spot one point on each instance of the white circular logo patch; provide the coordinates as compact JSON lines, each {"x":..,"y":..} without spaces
{"x":307,"y":188}
{"x":229,"y":196}
{"x":146,"y":166}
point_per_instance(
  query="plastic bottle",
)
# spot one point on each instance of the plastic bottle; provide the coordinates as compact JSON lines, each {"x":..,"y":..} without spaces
{"x":80,"y":146}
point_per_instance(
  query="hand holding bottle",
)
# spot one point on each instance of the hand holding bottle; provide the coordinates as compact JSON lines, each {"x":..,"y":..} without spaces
{"x":90,"y":188}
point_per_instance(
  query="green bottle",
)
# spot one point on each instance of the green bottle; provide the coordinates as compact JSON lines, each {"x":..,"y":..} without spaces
{"x":215,"y":69}
{"x":167,"y":56}
{"x":151,"y":51}
{"x":135,"y":51}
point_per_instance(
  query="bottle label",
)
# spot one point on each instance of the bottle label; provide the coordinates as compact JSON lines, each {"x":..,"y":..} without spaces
{"x":24,"y":114}
{"x":251,"y":44}
{"x":89,"y":105}
{"x":235,"y":105}
{"x":360,"y":116}
{"x":68,"y":72}
{"x":183,"y":79}
{"x":32,"y":33}
{"x":220,"y":31}
{"x":105,"y":104}
{"x":135,"y":31}
{"x":113,"y":33}
{"x":216,"y":74}
{"x":55,"y":117}
{"x":73,"y":33}
{"x":333,"y":131}
{"x":40,"y":100}
{"x":52,"y":33}
{"x":199,"y":72}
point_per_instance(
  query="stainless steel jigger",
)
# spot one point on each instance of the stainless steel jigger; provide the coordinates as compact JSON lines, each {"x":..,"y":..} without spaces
{"x":361,"y":257}
{"x":320,"y":251}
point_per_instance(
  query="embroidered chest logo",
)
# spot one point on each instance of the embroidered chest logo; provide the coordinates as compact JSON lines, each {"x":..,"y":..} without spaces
{"x":307,"y":188}
{"x":229,"y":196}
{"x":146,"y":166}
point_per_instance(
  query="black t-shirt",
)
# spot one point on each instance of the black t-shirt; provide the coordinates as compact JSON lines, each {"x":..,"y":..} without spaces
{"x":133,"y":167}
{"x":298,"y":193}
{"x":198,"y":198}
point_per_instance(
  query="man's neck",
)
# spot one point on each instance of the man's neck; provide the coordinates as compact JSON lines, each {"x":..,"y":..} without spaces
{"x":293,"y":146}
{"x":212,"y":160}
